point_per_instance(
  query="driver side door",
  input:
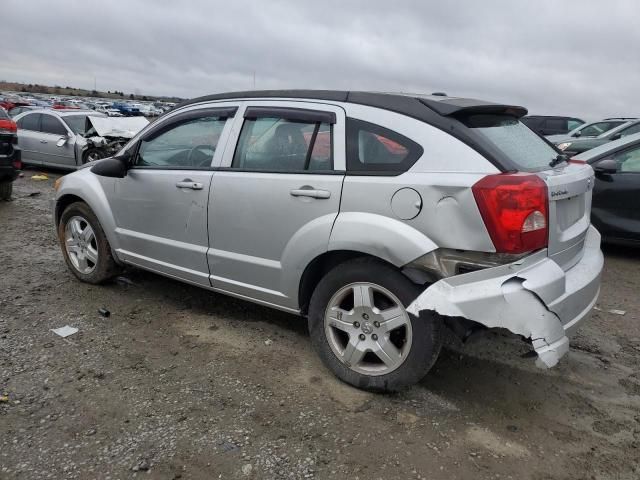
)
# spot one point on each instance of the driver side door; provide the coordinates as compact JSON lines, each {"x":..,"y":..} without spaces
{"x":160,"y":206}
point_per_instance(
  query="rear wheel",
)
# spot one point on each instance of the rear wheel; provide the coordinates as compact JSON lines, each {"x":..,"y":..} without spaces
{"x":6,"y":189}
{"x":360,"y":327}
{"x":84,"y":245}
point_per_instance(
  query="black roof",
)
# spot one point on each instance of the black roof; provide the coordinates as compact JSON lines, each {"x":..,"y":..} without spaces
{"x":412,"y":105}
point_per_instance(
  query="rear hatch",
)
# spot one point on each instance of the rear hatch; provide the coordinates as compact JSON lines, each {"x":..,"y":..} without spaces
{"x":569,"y":185}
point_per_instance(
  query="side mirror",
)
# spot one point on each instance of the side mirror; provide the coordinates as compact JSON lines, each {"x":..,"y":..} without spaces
{"x":61,"y":141}
{"x":616,"y":136}
{"x":115,"y":167}
{"x":577,"y":134}
{"x":606,"y":166}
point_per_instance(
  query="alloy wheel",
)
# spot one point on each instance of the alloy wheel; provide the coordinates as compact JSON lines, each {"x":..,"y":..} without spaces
{"x":81,"y":245}
{"x":368,"y":328}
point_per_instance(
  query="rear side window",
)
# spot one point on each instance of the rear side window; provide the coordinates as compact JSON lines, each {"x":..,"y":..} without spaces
{"x":277,"y":144}
{"x":524,"y":148}
{"x":556,"y":124}
{"x":372,"y":149}
{"x":573,"y":124}
{"x":631,"y":130}
{"x":30,"y":122}
{"x":52,"y":125}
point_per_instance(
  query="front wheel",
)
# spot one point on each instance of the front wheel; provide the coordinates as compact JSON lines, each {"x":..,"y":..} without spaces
{"x":84,"y":245}
{"x":360,"y":327}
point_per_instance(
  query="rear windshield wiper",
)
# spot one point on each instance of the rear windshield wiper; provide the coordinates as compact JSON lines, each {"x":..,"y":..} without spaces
{"x":562,"y":157}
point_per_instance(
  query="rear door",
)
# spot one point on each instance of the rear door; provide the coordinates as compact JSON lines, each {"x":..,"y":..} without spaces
{"x":29,"y":138}
{"x":160,"y":207}
{"x":616,"y":210}
{"x":274,"y":201}
{"x":52,"y":131}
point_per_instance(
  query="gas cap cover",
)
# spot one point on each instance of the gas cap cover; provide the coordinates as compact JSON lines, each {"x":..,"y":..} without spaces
{"x":406,"y":203}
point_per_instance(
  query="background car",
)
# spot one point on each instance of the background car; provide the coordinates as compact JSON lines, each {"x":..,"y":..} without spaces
{"x":9,"y":155}
{"x":591,"y":129}
{"x":53,"y":137}
{"x":615,"y":209}
{"x":24,"y":108}
{"x":551,"y":125}
{"x":586,"y":142}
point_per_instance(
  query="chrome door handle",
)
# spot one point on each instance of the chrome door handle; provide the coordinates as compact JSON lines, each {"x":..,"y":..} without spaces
{"x":189,"y":184}
{"x":304,"y":192}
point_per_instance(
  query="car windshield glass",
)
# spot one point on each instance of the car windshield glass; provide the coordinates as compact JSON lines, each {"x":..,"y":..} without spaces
{"x":523,"y":147}
{"x":76,"y":123}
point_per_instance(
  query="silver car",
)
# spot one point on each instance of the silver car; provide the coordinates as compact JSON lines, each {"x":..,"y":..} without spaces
{"x":54,"y":137}
{"x":383,"y":219}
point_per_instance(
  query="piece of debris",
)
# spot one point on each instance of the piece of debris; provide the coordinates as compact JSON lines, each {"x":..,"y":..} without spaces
{"x":104,"y":312}
{"x":122,"y":280}
{"x":247,"y":469}
{"x":4,"y":399}
{"x":142,"y":466}
{"x":64,"y":331}
{"x":39,"y":178}
{"x":34,"y":194}
{"x":611,"y":310}
{"x":268,"y":342}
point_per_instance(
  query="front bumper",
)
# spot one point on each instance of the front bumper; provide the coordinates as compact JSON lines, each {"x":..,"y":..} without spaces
{"x":533,"y":297}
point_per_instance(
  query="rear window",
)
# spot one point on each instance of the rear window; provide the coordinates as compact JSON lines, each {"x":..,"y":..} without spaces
{"x":524,"y":148}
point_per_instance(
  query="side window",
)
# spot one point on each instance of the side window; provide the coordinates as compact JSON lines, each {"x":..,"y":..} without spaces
{"x":631,"y":130}
{"x":573,"y":124}
{"x":598,"y":128}
{"x":556,"y":124}
{"x":278,"y":144}
{"x":52,"y":125}
{"x":629,"y":160}
{"x":187,"y":144}
{"x":375,"y":149}
{"x":30,"y":122}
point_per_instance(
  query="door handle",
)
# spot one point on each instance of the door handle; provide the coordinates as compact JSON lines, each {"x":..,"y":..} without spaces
{"x":43,"y":141}
{"x":186,"y":183}
{"x":310,"y":192}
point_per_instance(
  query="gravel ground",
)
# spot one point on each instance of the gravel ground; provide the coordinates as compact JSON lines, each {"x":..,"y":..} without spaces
{"x":179,"y":382}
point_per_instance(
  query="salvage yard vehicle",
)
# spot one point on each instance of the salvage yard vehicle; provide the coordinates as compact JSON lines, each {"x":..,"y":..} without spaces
{"x":550,"y":125}
{"x":615,"y":208}
{"x":590,"y":138}
{"x":382,"y":218}
{"x":10,"y":155}
{"x":68,"y":139}
{"x":592,"y":129}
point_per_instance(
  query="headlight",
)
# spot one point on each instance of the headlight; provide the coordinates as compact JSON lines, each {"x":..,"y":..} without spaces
{"x":564,"y":146}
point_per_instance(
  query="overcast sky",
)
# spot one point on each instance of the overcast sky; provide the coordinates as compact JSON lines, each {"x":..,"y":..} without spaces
{"x":554,"y":57}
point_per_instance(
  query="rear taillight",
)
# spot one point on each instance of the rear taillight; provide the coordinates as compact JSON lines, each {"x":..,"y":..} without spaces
{"x":17,"y":164}
{"x":8,"y":126}
{"x":515,"y":210}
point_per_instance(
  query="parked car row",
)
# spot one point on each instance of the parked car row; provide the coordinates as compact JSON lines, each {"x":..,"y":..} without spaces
{"x":16,"y":104}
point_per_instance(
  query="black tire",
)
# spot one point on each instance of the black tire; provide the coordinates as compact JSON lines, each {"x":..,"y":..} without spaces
{"x":427,"y":330}
{"x":6,"y":189}
{"x":93,"y":154}
{"x":106,"y":267}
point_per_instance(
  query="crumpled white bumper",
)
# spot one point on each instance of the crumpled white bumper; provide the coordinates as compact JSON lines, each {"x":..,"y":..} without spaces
{"x":532,"y":297}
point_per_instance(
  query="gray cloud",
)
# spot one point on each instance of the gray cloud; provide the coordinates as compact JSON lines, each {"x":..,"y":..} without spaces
{"x":571,"y":57}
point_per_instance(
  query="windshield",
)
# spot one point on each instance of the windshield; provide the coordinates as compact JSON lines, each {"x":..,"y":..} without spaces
{"x":77,"y":123}
{"x":523,"y":147}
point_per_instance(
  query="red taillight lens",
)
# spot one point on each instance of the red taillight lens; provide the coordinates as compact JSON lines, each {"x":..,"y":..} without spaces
{"x":17,"y":164}
{"x":515,"y":210}
{"x":8,"y":125}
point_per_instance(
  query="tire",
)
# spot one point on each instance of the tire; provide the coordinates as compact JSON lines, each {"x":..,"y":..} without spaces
{"x":87,"y":253}
{"x":6,"y":189}
{"x":93,"y":154}
{"x":417,"y":341}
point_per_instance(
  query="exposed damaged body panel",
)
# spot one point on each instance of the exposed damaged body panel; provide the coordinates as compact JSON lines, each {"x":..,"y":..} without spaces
{"x":105,"y":136}
{"x":533,"y":297}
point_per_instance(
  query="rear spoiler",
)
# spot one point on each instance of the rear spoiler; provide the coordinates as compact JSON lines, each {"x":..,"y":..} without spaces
{"x":456,"y":107}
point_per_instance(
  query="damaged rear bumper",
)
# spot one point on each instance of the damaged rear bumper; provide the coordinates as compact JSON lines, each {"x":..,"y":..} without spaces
{"x":533,"y":297}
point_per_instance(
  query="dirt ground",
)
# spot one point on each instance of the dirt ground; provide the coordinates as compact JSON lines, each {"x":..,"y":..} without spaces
{"x":179,"y":382}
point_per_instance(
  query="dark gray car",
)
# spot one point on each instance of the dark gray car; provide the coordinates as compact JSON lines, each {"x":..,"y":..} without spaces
{"x":589,"y":138}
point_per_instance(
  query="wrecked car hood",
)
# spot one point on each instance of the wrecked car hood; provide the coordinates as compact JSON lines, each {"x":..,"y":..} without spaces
{"x":126,"y":127}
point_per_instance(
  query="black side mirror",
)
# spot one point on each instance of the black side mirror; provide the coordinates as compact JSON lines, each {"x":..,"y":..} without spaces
{"x":115,"y":167}
{"x":616,"y":136}
{"x":606,"y":166}
{"x":577,"y":134}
